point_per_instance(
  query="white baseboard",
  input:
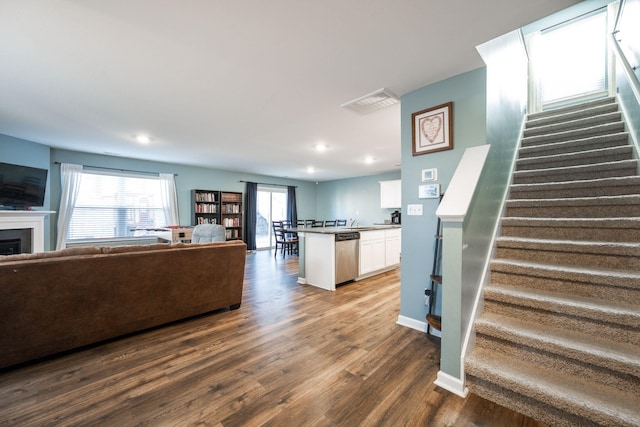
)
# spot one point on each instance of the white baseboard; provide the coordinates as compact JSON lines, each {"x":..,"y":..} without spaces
{"x":417,"y":325}
{"x":302,"y":280}
{"x":452,"y":384}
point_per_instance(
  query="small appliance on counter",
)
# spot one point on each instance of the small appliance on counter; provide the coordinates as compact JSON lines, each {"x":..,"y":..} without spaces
{"x":395,"y":217}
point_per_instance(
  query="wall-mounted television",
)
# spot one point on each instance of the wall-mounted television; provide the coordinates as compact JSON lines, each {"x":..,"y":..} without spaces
{"x":22,"y":187}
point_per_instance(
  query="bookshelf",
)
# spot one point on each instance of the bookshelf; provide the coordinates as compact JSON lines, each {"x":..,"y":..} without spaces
{"x":231,"y":214}
{"x":219,"y":207}
{"x":206,"y":207}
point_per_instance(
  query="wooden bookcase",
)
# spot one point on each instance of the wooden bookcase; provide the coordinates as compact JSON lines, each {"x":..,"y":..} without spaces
{"x":231,"y":214}
{"x":206,"y":207}
{"x":219,"y":207}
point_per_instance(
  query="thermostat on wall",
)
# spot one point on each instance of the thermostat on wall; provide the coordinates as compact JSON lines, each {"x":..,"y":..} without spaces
{"x":429,"y":174}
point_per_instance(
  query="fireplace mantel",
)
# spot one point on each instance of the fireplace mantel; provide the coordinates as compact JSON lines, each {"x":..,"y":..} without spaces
{"x":34,"y":220}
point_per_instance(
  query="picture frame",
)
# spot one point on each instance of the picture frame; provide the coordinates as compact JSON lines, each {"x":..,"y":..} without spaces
{"x":429,"y":191}
{"x":429,"y":174}
{"x":432,"y":129}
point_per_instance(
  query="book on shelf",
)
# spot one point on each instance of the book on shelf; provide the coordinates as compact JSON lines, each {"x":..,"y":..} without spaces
{"x":231,"y":197}
{"x":231,"y":222}
{"x":205,"y":197}
{"x":231,"y":208}
{"x":206,"y":208}
{"x":205,"y":220}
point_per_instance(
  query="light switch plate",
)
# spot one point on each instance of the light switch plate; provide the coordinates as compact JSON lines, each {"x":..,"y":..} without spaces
{"x":414,"y":209}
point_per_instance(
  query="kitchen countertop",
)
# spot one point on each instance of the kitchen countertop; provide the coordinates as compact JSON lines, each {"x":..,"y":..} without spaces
{"x":337,"y":230}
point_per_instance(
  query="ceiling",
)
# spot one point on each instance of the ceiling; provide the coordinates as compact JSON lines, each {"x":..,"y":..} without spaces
{"x":246,"y":85}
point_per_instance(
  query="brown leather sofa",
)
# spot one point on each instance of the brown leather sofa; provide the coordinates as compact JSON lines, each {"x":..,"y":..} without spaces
{"x":56,"y":301}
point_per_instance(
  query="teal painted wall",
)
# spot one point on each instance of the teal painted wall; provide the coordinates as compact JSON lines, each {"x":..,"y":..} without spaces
{"x":27,"y":153}
{"x":326,"y":200}
{"x":354,"y":198}
{"x":14,"y":150}
{"x":188,"y":178}
{"x":467,"y":253}
{"x":467,"y":92}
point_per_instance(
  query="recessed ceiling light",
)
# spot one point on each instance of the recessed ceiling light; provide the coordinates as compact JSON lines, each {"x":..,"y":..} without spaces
{"x":321,"y":147}
{"x":368,"y":160}
{"x":310,"y":169}
{"x":143,"y":139}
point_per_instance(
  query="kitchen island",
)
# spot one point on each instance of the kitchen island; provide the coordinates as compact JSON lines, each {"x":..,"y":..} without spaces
{"x":328,"y":256}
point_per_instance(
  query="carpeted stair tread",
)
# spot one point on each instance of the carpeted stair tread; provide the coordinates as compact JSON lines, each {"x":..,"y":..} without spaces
{"x":602,"y":277}
{"x":614,"y":255}
{"x":572,"y":108}
{"x":565,"y":125}
{"x":603,"y":129}
{"x":567,"y":173}
{"x":589,"y":184}
{"x":578,"y":396}
{"x":585,"y":281}
{"x":623,"y":199}
{"x":627,"y":315}
{"x":586,"y":348}
{"x":617,"y":139}
{"x":609,"y":154}
{"x":631,"y":249}
{"x":560,"y":116}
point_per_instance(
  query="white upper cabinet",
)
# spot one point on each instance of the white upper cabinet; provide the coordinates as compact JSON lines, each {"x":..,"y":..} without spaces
{"x":391,"y":194}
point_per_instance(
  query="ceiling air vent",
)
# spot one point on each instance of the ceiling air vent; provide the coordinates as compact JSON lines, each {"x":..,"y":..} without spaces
{"x":381,"y":98}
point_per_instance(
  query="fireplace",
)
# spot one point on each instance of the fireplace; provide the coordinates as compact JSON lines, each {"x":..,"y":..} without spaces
{"x":15,"y":241}
{"x":22,"y":231}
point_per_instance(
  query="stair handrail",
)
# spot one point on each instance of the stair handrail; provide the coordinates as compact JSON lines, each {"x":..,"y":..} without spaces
{"x":633,"y":79}
{"x":459,"y":195}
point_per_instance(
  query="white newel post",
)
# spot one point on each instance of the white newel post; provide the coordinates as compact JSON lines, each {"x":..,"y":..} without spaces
{"x":33,"y":220}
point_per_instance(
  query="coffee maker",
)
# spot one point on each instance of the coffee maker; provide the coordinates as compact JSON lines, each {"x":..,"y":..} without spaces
{"x":395,"y":217}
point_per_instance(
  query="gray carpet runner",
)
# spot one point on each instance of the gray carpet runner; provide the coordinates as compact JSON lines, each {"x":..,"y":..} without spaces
{"x":558,"y":338}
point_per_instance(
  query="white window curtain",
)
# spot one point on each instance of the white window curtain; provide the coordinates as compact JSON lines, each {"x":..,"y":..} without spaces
{"x":70,"y":178}
{"x":169,"y":198}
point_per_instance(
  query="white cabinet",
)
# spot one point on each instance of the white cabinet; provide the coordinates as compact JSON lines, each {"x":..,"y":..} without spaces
{"x":391,"y":194}
{"x":392,"y":247}
{"x":372,"y":251}
{"x":379,"y":250}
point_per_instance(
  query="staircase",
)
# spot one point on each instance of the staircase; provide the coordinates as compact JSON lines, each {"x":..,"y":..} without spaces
{"x":559,"y":335}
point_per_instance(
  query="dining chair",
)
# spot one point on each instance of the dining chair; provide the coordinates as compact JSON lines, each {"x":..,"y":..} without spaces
{"x":330,"y":223}
{"x":288,"y":244}
{"x":341,"y":222}
{"x":317,"y":223}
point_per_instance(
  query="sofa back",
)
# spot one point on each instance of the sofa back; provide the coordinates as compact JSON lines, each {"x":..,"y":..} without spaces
{"x":56,"y":301}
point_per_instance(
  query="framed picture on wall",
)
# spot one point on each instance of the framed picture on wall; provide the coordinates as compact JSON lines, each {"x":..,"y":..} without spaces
{"x":432,"y":129}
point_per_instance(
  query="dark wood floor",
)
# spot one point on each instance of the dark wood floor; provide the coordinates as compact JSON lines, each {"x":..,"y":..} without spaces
{"x":292,"y":355}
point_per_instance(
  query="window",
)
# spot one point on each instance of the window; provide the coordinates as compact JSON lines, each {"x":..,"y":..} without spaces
{"x":115,"y":205}
{"x":571,"y":59}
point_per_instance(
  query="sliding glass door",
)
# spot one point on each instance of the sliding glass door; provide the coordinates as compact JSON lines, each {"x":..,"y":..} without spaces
{"x":272,"y":206}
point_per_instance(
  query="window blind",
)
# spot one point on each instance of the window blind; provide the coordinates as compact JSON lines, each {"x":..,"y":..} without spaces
{"x":572,"y":59}
{"x":115,"y":205}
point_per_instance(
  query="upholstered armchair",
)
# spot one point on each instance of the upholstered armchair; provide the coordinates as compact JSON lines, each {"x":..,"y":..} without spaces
{"x":204,"y":233}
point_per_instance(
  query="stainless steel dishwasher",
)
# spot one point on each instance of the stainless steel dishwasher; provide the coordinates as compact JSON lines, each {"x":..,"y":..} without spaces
{"x":347,"y":256}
